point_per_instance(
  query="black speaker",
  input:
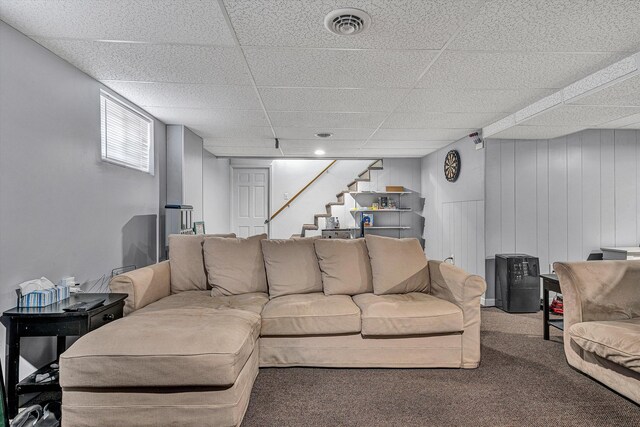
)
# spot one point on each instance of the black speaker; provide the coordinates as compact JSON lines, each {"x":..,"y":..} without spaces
{"x":517,"y":283}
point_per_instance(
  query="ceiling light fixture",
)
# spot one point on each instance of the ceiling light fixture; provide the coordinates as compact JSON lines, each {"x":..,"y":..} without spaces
{"x":347,"y":22}
{"x":324,"y":135}
{"x":319,"y":152}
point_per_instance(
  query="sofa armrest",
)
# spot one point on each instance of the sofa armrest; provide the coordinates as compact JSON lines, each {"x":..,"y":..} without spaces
{"x":455,"y":285}
{"x":144,"y":285}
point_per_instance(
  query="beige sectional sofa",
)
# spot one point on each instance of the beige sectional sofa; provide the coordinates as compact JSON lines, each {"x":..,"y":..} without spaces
{"x":198,"y":326}
{"x":602,"y":321}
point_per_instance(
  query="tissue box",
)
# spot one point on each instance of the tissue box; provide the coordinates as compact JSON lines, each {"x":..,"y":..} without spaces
{"x":44,"y":298}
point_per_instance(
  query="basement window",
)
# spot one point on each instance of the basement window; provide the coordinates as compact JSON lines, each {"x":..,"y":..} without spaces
{"x":126,"y":135}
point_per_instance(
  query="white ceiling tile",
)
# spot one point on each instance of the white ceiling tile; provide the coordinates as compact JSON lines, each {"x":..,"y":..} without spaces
{"x":625,"y":93}
{"x":195,"y":117}
{"x":331,"y":100}
{"x":587,"y":116}
{"x":326,"y":120}
{"x":352,"y":152}
{"x":395,"y":144}
{"x":552,"y":25}
{"x":152,"y":62}
{"x":243,"y":151}
{"x":470,"y":100}
{"x":309,"y":133}
{"x":398,"y":24}
{"x":238,"y":142}
{"x":537,"y":132}
{"x":621,"y":122}
{"x":513,"y":70}
{"x":177,"y":95}
{"x":236,"y":132}
{"x":159,"y":21}
{"x":422,"y":134}
{"x":409,"y":120}
{"x":396,"y":152}
{"x":337,"y":68}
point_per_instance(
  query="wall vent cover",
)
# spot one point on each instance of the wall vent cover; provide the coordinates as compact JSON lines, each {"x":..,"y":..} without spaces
{"x":347,"y":22}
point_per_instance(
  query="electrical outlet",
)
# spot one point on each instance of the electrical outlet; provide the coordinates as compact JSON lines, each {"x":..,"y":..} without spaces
{"x":286,"y":196}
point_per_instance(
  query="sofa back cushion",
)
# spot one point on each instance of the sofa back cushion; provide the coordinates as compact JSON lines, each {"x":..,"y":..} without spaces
{"x":292,"y":267}
{"x":399,"y":266}
{"x":345,"y":266}
{"x":187,"y":263}
{"x":235,"y":266}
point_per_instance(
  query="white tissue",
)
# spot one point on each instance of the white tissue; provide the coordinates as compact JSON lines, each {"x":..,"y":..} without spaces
{"x":35,"y":285}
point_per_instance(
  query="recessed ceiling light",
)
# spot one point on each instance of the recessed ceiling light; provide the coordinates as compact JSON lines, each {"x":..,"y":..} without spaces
{"x":319,"y":152}
{"x":347,"y":22}
{"x":324,"y":135}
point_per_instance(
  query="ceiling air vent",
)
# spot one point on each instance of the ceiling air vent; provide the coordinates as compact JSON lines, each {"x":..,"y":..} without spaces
{"x":347,"y":22}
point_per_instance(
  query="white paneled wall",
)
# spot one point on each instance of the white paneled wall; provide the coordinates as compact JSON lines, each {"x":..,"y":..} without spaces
{"x":560,"y":199}
{"x":454,"y":212}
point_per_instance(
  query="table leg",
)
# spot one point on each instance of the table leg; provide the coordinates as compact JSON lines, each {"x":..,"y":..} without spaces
{"x":61,"y":346}
{"x":545,"y":312}
{"x":12,"y":363}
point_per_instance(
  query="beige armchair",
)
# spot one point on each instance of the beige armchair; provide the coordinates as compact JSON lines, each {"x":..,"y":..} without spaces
{"x":602,"y":321}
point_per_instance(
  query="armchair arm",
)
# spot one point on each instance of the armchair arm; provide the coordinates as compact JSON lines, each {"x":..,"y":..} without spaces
{"x":455,"y":285}
{"x":599,"y":290}
{"x":144,"y":285}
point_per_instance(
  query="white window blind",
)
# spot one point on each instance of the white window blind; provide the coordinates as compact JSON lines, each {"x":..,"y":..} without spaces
{"x":127,"y":138}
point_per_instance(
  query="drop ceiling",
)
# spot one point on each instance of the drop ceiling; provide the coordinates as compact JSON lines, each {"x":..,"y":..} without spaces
{"x":426,"y":73}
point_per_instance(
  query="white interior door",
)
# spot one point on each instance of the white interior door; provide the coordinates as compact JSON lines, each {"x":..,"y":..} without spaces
{"x":250,"y":201}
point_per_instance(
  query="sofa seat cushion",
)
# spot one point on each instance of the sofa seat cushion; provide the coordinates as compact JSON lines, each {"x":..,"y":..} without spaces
{"x":253,"y":302}
{"x":414,"y":313}
{"x":310,"y":314}
{"x":615,"y":340}
{"x":168,"y":348}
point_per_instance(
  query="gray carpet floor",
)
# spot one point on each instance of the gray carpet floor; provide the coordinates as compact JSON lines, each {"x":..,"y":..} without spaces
{"x":522,"y":381}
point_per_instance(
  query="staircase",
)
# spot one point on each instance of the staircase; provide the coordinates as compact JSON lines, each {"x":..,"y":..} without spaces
{"x":364,"y":176}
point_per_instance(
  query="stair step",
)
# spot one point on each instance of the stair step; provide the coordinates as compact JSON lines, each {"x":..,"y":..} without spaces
{"x":363,"y":173}
{"x":363,"y":180}
{"x":377,"y":165}
{"x":309,"y":227}
{"x":325,"y":215}
{"x":341,"y":194}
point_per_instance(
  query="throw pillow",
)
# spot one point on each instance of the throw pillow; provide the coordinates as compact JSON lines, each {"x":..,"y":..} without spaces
{"x":235,"y":266}
{"x":399,"y":266}
{"x":187,"y":263}
{"x":345,"y":266}
{"x":292,"y":267}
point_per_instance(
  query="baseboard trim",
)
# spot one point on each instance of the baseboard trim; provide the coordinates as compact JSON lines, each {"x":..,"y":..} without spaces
{"x":487,"y":302}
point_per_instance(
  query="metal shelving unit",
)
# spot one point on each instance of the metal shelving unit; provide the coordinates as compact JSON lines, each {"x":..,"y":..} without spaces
{"x":384,"y":217}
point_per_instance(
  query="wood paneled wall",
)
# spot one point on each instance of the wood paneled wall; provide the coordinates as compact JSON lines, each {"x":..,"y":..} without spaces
{"x":560,"y":199}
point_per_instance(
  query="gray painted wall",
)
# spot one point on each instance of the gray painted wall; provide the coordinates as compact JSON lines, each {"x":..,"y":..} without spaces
{"x":62,"y":210}
{"x":454,"y":212}
{"x":216,"y":175}
{"x":560,"y":199}
{"x":184,"y":168}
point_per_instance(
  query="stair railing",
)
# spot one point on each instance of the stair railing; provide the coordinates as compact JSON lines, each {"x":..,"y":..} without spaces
{"x":286,"y":205}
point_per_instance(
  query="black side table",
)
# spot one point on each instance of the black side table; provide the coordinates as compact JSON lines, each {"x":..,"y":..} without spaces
{"x":551,"y":283}
{"x":50,"y":321}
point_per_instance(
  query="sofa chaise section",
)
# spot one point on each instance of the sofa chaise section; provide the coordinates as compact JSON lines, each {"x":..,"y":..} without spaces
{"x":184,"y":359}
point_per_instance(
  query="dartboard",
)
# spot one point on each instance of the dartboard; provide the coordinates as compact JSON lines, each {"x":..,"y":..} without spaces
{"x":452,"y":165}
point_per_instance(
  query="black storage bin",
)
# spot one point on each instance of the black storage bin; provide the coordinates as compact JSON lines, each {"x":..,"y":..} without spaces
{"x":517,"y":283}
